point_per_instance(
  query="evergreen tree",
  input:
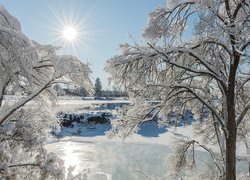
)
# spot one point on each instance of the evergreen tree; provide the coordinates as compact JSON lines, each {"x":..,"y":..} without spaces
{"x":98,"y":87}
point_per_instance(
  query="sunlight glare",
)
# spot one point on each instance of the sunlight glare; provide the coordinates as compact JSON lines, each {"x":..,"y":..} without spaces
{"x":70,"y":33}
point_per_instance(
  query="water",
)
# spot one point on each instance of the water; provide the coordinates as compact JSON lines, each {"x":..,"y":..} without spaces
{"x":113,"y":160}
{"x":120,"y":161}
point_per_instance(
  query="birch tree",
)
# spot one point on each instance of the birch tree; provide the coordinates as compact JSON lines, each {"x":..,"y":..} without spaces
{"x":29,"y":70}
{"x":195,"y":55}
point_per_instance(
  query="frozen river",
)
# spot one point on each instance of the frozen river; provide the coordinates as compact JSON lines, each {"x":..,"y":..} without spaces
{"x":104,"y":159}
{"x":112,"y":160}
{"x":119,"y":161}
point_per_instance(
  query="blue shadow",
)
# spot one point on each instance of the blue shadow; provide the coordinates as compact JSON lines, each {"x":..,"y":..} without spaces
{"x":151,"y":129}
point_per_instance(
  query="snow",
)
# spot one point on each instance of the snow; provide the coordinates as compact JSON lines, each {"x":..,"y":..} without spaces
{"x":117,"y":159}
{"x":149,"y":132}
{"x":166,"y":138}
{"x":89,"y":102}
{"x":86,"y":148}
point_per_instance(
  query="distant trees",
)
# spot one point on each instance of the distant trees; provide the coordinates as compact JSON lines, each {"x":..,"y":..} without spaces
{"x":76,"y":91}
{"x":81,"y":92}
{"x":98,"y":87}
{"x":116,"y":92}
{"x":210,"y":68}
{"x":30,"y":70}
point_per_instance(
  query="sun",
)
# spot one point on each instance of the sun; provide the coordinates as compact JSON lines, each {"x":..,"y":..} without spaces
{"x":70,"y":33}
{"x":70,"y":28}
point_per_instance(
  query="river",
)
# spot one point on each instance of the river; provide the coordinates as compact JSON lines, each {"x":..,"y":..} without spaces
{"x":120,"y":161}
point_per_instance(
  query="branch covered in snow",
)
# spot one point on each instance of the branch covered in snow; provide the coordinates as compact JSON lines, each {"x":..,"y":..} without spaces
{"x":196,"y":56}
{"x":28,"y":71}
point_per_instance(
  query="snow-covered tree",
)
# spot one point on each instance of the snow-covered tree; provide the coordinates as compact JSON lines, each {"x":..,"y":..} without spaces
{"x":98,"y":87}
{"x":195,"y":55}
{"x":29,"y":70}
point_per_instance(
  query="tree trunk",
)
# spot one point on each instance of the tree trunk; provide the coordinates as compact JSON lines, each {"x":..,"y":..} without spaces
{"x":231,"y":127}
{"x":231,"y":150}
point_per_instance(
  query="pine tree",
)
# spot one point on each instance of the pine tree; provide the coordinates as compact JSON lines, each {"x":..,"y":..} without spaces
{"x":98,"y":87}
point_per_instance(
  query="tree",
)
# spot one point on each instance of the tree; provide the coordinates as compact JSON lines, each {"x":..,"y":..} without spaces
{"x":209,"y":68}
{"x":30,"y":70}
{"x":98,"y":87}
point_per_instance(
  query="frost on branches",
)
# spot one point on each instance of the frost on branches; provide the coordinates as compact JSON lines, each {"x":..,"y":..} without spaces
{"x":28,"y":72}
{"x":129,"y":119}
{"x":195,"y":56}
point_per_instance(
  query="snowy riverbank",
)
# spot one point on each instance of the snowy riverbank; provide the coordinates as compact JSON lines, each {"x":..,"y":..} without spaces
{"x":86,"y":147}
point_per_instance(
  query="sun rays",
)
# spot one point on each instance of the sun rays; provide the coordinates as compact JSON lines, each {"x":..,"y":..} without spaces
{"x":70,"y":30}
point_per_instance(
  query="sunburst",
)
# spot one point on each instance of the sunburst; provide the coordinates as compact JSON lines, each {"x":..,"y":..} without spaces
{"x":69,"y":30}
{"x":70,"y":33}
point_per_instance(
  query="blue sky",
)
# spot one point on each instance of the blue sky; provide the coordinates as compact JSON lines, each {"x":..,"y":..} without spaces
{"x":103,"y":25}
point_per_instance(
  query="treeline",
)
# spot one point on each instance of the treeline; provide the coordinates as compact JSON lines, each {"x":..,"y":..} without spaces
{"x":63,"y":90}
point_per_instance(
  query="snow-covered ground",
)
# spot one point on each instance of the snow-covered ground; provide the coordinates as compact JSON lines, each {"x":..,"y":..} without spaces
{"x":80,"y":105}
{"x":149,"y":133}
{"x":88,"y":149}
